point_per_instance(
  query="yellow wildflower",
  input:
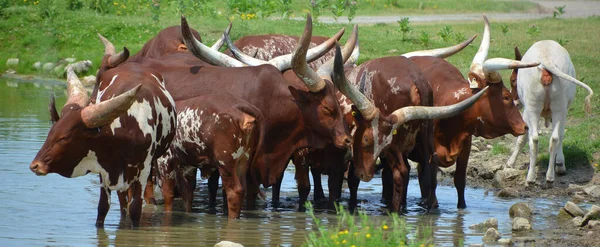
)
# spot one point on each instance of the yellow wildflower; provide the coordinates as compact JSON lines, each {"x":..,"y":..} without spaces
{"x":368,"y":235}
{"x":346,"y":231}
{"x":385,"y":227}
{"x":344,"y":241}
{"x":352,"y":245}
{"x":115,"y":3}
{"x":341,"y":233}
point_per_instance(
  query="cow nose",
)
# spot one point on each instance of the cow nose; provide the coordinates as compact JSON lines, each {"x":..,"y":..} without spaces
{"x":347,"y":141}
{"x":526,"y":128}
{"x":34,"y":166}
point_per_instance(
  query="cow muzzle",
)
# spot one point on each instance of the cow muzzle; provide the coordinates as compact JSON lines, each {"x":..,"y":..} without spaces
{"x":363,"y":175}
{"x":38,"y":168}
{"x":343,"y":141}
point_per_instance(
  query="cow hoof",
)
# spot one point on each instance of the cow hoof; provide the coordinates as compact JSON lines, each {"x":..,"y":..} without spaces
{"x":549,"y":181}
{"x":560,"y":169}
{"x":100,"y":224}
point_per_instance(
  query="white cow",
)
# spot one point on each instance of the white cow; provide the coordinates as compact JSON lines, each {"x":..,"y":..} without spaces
{"x":547,"y":91}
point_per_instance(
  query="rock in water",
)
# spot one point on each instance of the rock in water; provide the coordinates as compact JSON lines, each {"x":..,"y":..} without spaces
{"x":520,"y":209}
{"x":573,"y":209}
{"x":490,"y":223}
{"x":505,"y":241}
{"x":508,"y":192}
{"x":593,"y":214}
{"x":563,"y":215}
{"x":593,"y":191}
{"x":227,"y":244}
{"x":491,"y":235}
{"x":521,"y":224}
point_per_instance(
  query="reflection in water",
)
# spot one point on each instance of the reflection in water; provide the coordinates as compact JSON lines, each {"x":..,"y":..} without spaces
{"x":53,"y":210}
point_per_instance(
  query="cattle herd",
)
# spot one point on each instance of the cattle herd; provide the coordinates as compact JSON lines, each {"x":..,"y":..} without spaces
{"x":177,"y":106}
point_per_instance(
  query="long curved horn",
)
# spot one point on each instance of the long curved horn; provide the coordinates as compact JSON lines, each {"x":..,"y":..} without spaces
{"x":109,"y":49}
{"x":492,"y":65}
{"x":75,"y":91}
{"x":588,"y":100}
{"x":409,"y":113}
{"x":364,"y":105}
{"x":479,"y":58}
{"x":204,"y":52}
{"x":105,"y":112}
{"x":327,"y":67}
{"x":219,"y":43}
{"x":354,"y":56}
{"x":310,"y":78}
{"x":441,"y":52}
{"x":284,"y":62}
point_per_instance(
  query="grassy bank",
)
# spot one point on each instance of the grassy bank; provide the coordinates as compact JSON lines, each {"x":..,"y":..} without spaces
{"x":47,"y":33}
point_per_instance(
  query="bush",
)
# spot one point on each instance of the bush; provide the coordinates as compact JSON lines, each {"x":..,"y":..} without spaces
{"x":362,"y":231}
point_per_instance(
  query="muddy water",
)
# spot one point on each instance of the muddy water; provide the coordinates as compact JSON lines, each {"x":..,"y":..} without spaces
{"x":53,"y":210}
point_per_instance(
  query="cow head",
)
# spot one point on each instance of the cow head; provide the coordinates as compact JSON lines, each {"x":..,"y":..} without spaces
{"x":67,"y":144}
{"x":321,"y":96}
{"x":375,"y":131}
{"x":496,"y":113}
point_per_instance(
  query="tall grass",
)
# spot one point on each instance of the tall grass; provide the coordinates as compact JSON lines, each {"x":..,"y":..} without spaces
{"x":361,"y":230}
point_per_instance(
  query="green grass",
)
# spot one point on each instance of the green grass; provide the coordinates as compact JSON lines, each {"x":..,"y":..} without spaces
{"x":499,"y":149}
{"x":48,"y":33}
{"x":361,"y":230}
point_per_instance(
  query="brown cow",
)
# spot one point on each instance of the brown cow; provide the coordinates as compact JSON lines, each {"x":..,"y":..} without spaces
{"x":119,"y":137}
{"x":492,"y":116}
{"x":388,"y":116}
{"x":216,"y":131}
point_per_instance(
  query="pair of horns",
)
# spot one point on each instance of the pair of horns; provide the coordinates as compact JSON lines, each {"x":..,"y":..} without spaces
{"x":488,"y":69}
{"x":109,"y":50}
{"x":217,"y":58}
{"x":402,"y":115}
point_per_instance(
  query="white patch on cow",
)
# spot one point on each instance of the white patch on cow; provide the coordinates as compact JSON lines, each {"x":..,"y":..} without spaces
{"x":395,"y":89}
{"x":88,"y":164}
{"x":101,"y":92}
{"x":221,"y":163}
{"x":237,"y":153}
{"x":161,"y":83}
{"x":189,"y":126}
{"x":459,"y":93}
{"x":115,"y":124}
{"x":437,"y":89}
{"x":480,"y":120}
{"x":379,"y":145}
{"x":345,"y":104}
{"x":354,"y":79}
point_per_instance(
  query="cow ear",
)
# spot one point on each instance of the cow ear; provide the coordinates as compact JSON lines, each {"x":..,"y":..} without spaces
{"x":518,"y":56}
{"x":475,"y":81}
{"x":300,"y":96}
{"x":52,"y":109}
{"x":356,"y":114}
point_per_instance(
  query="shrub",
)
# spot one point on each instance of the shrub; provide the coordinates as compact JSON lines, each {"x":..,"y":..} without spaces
{"x":446,"y":33}
{"x":404,"y":27}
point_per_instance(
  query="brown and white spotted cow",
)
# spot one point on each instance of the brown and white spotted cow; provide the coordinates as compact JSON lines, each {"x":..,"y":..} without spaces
{"x":216,"y":131}
{"x":130,"y":125}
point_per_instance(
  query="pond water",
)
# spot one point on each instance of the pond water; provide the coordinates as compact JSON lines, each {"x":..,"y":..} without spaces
{"x":56,"y":211}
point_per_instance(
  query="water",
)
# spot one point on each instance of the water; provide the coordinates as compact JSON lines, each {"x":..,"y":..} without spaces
{"x":56,"y":211}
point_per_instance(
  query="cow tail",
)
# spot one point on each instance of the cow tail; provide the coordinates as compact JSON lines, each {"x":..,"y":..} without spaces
{"x":258,"y":140}
{"x":554,"y":70}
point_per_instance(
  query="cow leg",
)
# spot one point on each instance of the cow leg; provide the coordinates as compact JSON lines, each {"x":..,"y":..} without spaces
{"x":277,"y":188}
{"x":233,"y":189}
{"x":387,"y":182}
{"x":135,"y":206}
{"x":123,"y":203}
{"x":399,"y":173}
{"x":318,"y":187}
{"x":252,"y":192}
{"x":520,"y":144}
{"x":213,"y":186}
{"x":558,"y":134}
{"x":103,"y":205}
{"x":353,"y":183}
{"x":149,"y":190}
{"x":186,"y":181}
{"x":335,"y":180}
{"x":533,"y":124}
{"x":461,"y":172}
{"x":303,"y":183}
{"x":168,"y":191}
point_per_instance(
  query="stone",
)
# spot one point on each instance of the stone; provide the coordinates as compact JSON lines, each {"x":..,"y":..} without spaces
{"x":593,"y":214}
{"x":490,"y":223}
{"x":577,"y":198}
{"x":488,"y":170}
{"x":521,"y":210}
{"x":491,"y":235}
{"x":577,"y":221}
{"x":47,"y":67}
{"x":521,"y":224}
{"x":228,"y":244}
{"x":575,"y":187}
{"x":573,"y":209}
{"x":593,"y":191}
{"x":70,"y":60}
{"x":37,"y":65}
{"x":508,"y":192}
{"x":507,"y":174}
{"x":89,"y":80}
{"x":593,"y":224}
{"x":505,"y":241}
{"x":475,"y":245}
{"x":392,"y":51}
{"x":81,"y":66}
{"x":564,"y":216}
{"x":12,"y":62}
